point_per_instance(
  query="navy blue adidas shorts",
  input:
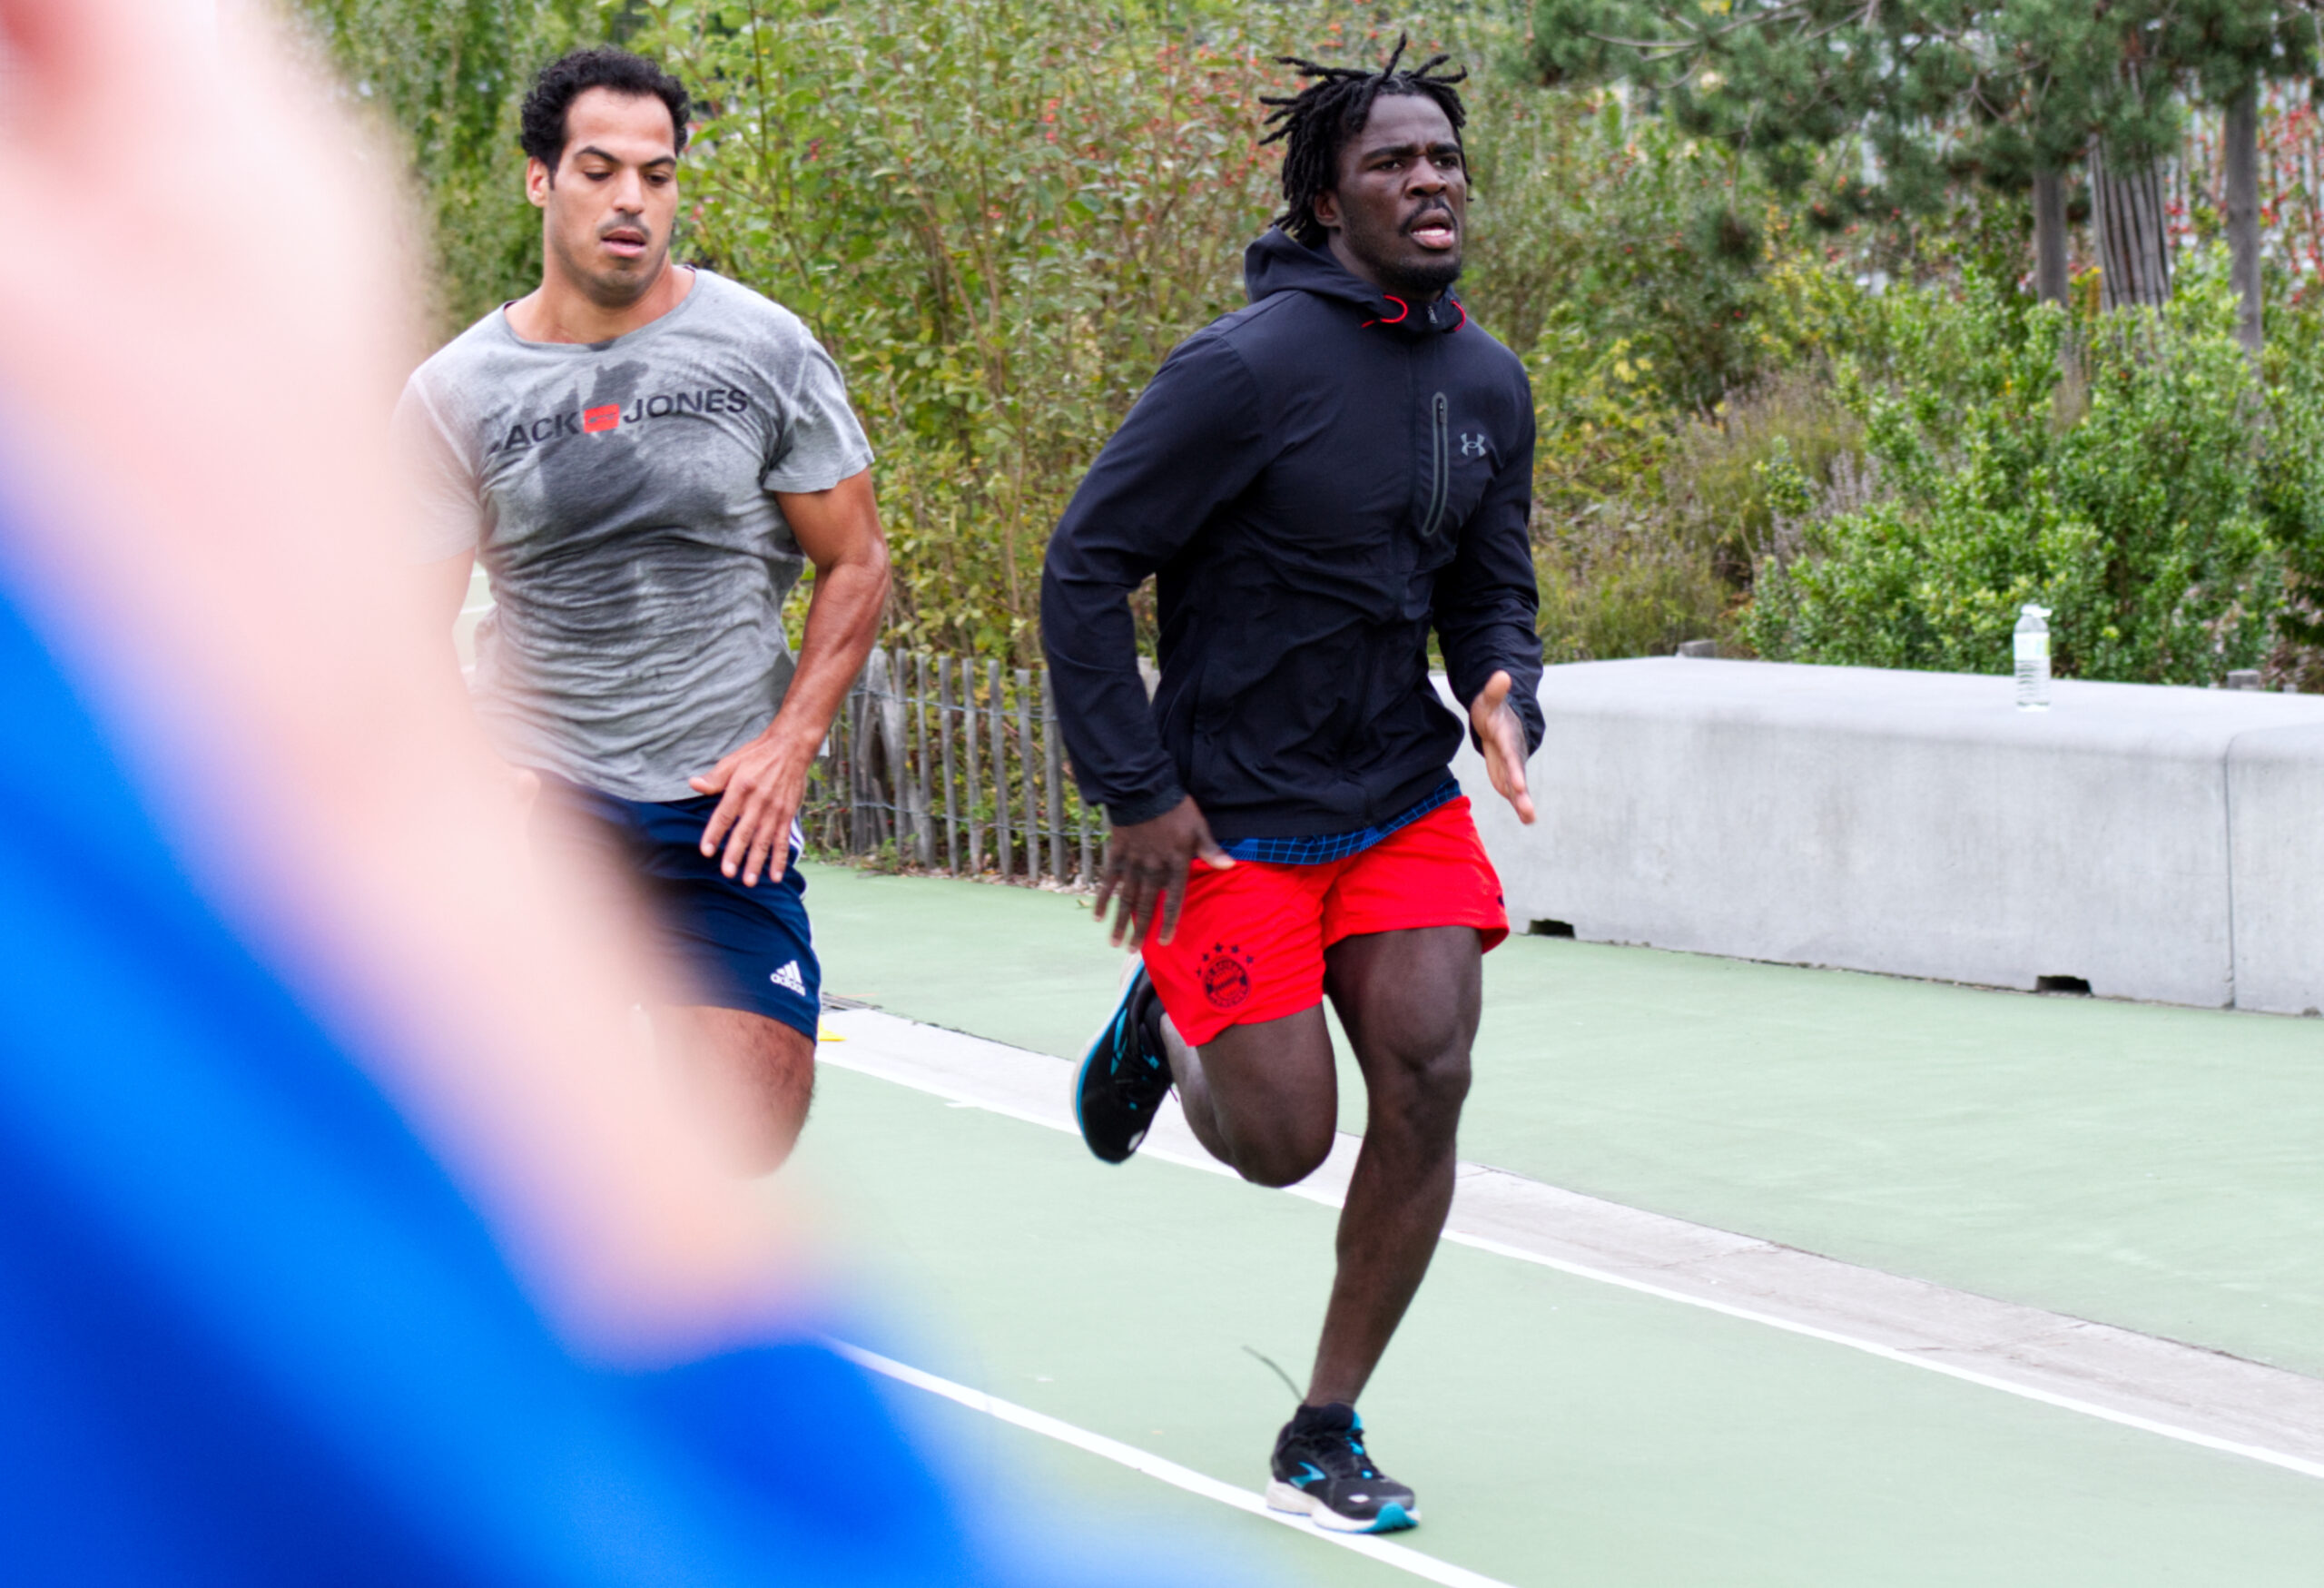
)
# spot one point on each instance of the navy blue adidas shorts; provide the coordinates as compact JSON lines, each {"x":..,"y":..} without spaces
{"x":740,"y":948}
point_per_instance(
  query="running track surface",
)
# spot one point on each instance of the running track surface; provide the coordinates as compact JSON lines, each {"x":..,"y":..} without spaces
{"x":2151,"y":1167}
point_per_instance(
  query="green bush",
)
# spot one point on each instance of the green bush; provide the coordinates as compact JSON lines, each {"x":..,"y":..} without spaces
{"x":1638,"y":573}
{"x":999,"y":215}
{"x":2291,"y":485}
{"x":445,"y":79}
{"x":1716,"y":483}
{"x":1618,"y":257}
{"x":1633,"y":235}
{"x":2131,"y":502}
{"x":1618,"y":584}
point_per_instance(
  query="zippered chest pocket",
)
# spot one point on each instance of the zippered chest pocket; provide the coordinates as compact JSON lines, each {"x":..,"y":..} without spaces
{"x":1438,"y":464}
{"x":1456,"y":466}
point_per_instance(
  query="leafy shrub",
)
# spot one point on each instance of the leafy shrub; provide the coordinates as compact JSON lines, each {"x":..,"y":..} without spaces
{"x":1618,"y":583}
{"x":1620,"y":227}
{"x":2141,"y":521}
{"x":998,"y":215}
{"x":2292,"y":481}
{"x":1001,"y":215}
{"x":1669,"y":561}
{"x":1611,"y":252}
{"x":1717,"y":480}
{"x":446,"y":77}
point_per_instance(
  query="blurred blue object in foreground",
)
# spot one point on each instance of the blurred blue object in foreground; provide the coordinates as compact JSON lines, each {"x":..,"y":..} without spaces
{"x":248,"y":1331}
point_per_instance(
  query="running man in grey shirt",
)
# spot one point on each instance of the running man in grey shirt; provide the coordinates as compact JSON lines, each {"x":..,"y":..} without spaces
{"x":647,"y":457}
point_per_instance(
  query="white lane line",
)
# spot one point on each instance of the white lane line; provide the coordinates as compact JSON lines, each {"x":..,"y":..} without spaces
{"x":1154,"y":1466}
{"x":1891,"y":1353}
{"x":952,"y":1090}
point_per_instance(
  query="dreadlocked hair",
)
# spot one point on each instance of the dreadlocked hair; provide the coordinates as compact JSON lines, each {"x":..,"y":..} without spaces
{"x":1318,"y":119}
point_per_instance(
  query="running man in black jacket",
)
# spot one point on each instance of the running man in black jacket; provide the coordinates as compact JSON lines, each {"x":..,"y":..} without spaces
{"x":1318,"y":480}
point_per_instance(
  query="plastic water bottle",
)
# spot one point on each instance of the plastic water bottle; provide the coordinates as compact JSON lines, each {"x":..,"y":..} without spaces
{"x":2033,"y":645}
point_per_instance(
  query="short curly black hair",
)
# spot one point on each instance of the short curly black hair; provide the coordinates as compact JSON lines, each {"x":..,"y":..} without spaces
{"x":570,"y":75}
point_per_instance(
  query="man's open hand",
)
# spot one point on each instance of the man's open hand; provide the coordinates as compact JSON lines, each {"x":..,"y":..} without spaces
{"x":1502,"y":732}
{"x":761,"y":787}
{"x":1147,"y":866}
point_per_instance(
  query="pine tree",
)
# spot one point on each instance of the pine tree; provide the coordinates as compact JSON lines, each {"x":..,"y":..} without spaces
{"x":2011,"y":93}
{"x":2226,"y":50}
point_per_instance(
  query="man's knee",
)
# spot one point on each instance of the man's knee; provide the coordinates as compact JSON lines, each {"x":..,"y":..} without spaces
{"x":1284,"y":1152}
{"x":1444,"y":1078}
{"x":1425,"y":1084}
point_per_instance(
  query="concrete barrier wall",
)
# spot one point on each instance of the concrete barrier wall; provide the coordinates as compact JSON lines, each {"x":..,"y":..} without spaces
{"x":2155,"y":842}
{"x":2275,"y":792}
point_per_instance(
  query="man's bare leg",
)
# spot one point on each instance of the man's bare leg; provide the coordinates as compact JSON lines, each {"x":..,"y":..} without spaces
{"x":1409,"y":1002}
{"x":1264,"y":1100}
{"x":756,"y":1077}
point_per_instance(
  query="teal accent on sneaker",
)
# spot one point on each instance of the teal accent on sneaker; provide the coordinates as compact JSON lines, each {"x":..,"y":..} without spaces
{"x":1123,"y":1077}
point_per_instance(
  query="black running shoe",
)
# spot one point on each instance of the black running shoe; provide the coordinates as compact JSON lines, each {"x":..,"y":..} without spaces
{"x":1320,"y":1468}
{"x":1125,"y":1075}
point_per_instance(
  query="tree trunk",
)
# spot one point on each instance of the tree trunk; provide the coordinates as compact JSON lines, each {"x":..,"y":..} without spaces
{"x":2050,"y":236}
{"x":2241,"y":136}
{"x":2133,"y":241}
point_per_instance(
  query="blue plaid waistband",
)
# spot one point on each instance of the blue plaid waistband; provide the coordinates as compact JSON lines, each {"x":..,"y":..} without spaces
{"x":1338,"y":845}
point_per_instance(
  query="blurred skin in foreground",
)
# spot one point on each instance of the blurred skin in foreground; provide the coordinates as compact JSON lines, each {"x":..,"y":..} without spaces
{"x":300,"y":1063}
{"x":193,"y":385}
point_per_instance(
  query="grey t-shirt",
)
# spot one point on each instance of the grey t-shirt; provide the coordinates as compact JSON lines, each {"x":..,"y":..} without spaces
{"x":619,"y":495}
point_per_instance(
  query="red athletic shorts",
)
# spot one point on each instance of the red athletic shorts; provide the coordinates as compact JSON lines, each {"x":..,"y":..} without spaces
{"x":1251,"y":938}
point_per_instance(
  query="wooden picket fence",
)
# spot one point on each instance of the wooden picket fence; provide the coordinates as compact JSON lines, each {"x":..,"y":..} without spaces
{"x":954,"y":764}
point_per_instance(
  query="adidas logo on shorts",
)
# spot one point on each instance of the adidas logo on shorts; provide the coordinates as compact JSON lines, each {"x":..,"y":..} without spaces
{"x":789,"y":978}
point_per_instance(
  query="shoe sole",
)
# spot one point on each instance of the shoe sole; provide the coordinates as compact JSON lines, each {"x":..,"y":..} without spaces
{"x":1393,"y":1517}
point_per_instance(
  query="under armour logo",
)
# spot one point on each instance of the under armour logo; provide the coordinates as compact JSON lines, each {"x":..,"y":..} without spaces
{"x":1473,"y":446}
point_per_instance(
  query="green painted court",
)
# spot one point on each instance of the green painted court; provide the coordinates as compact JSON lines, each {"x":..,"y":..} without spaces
{"x":2153,"y":1168}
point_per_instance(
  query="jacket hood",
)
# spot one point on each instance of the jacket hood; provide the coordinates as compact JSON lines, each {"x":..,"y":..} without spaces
{"x":1277,"y":263}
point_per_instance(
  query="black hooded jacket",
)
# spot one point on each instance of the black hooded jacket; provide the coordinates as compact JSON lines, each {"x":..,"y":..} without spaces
{"x":1317,"y":480}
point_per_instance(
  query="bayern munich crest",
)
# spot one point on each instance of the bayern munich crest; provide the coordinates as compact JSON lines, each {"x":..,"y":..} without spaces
{"x":1226,"y":975}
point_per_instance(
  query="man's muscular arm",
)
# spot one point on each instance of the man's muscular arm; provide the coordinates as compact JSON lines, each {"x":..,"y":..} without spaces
{"x":1194,"y":441}
{"x":762,"y":783}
